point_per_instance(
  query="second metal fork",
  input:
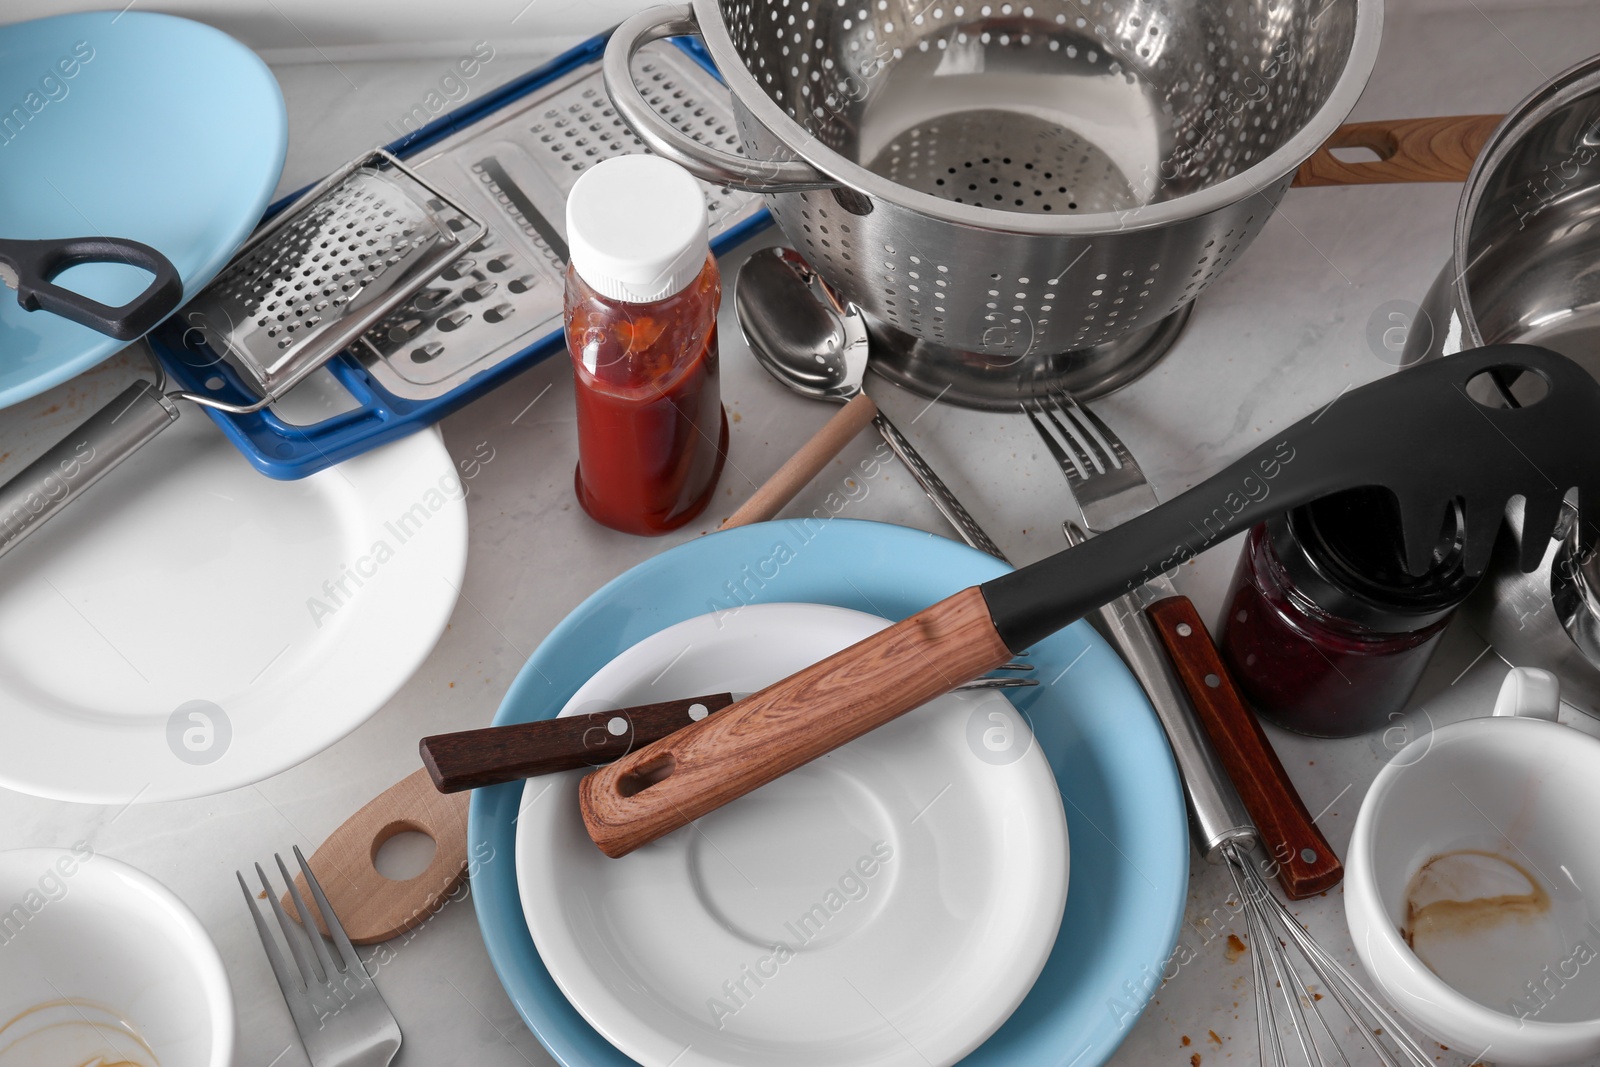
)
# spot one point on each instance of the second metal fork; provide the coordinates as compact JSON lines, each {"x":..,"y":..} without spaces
{"x":340,"y":1015}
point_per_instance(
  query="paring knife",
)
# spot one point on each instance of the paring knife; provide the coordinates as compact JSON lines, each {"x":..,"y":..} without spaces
{"x":1237,"y":787}
{"x":496,"y":754}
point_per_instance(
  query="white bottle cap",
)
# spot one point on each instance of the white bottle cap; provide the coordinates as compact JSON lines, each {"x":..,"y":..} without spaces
{"x":636,"y":228}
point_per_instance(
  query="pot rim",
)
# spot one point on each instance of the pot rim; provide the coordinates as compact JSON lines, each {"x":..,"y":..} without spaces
{"x":1259,"y":179}
{"x":1579,"y":80}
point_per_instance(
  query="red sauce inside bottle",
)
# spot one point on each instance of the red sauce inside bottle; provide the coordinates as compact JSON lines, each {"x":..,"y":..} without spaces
{"x":652,"y":434}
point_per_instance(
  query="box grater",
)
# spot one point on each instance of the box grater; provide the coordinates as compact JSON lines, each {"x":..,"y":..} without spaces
{"x":496,"y":308}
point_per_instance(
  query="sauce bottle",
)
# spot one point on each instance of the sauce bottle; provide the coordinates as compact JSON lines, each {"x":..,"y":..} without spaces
{"x":641,"y":326}
{"x":1326,"y":631}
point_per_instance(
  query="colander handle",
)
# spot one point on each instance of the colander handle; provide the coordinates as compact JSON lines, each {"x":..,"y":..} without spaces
{"x":664,"y":139}
{"x":1439,"y":149}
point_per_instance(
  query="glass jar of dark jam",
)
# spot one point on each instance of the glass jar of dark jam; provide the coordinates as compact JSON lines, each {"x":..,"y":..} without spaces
{"x":1327,"y":632}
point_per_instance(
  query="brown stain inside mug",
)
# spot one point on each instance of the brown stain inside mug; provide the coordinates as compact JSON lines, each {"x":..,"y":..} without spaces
{"x":62,"y":1041}
{"x":1448,"y":916}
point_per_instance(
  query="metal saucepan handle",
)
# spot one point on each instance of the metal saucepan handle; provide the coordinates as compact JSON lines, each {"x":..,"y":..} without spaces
{"x":31,"y":267}
{"x":662,"y":138}
{"x":88,"y":454}
{"x":934,"y":486}
{"x":1440,"y":149}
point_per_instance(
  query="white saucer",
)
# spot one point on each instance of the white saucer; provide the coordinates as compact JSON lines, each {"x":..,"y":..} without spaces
{"x":889,"y":904}
{"x":190,"y":626}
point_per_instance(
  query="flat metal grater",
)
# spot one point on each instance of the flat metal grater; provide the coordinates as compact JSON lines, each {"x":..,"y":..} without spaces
{"x":495,"y":308}
{"x":516,"y":170}
{"x":319,"y":274}
{"x":309,"y":281}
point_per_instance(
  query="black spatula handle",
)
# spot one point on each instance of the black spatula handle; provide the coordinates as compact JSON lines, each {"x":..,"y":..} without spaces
{"x":31,"y":267}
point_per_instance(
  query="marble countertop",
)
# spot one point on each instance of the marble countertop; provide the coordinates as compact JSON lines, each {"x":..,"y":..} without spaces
{"x":1285,"y":330}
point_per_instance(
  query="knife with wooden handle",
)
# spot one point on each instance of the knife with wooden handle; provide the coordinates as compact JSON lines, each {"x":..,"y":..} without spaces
{"x":1306,"y":864}
{"x":471,"y":759}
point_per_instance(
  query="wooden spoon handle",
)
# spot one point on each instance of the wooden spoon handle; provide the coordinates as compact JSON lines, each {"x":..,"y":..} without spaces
{"x":1306,"y":863}
{"x":470,"y":759}
{"x":786,"y":483}
{"x":652,"y":792}
{"x":373,"y":908}
{"x":1440,"y":149}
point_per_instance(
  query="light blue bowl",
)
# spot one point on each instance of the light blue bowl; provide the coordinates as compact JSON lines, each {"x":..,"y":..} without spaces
{"x":134,"y":125}
{"x":1125,"y":813}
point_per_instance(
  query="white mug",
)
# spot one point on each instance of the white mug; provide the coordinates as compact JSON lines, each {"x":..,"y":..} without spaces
{"x":1472,"y":887}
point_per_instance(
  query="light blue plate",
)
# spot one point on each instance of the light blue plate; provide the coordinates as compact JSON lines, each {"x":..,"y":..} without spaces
{"x":1125,"y":814}
{"x":131,"y":125}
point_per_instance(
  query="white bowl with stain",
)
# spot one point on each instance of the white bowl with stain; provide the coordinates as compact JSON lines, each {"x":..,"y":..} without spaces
{"x":1472,"y":886}
{"x":101,"y":964}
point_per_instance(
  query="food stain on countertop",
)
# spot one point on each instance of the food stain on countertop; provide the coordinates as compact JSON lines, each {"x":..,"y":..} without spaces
{"x":1235,"y":948}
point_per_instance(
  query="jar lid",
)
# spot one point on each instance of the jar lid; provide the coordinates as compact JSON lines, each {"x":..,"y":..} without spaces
{"x":1345,"y":554}
{"x":636,"y":228}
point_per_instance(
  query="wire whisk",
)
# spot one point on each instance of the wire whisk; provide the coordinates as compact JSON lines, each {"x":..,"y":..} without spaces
{"x":1273,"y":931}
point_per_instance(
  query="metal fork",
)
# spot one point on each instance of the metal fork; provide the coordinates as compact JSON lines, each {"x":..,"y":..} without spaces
{"x":342,"y":1018}
{"x":1110,"y":489}
{"x":1104,"y":477}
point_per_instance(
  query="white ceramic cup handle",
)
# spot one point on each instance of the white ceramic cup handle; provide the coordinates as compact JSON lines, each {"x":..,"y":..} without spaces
{"x":1529,"y":693}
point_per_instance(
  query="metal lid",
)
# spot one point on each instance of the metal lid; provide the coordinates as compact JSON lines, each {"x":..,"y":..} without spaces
{"x":1344,"y":555}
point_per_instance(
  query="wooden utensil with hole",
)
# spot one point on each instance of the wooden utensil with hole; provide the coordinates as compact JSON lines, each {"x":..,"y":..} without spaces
{"x":797,"y":472}
{"x":1440,"y":149}
{"x":374,"y":908}
{"x":1306,"y":862}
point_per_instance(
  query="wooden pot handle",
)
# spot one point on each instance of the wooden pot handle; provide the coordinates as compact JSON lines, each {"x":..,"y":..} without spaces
{"x":806,"y":464}
{"x":373,"y":908}
{"x":1306,"y":862}
{"x":670,"y":783}
{"x":1440,"y":149}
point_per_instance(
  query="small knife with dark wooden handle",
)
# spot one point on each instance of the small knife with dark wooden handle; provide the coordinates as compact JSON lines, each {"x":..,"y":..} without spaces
{"x":496,"y":754}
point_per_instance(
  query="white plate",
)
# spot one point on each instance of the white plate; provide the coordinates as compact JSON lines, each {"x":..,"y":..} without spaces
{"x":190,"y":626}
{"x":889,"y":904}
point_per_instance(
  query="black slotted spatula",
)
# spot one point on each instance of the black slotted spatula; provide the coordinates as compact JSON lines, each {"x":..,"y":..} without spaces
{"x":1417,"y":433}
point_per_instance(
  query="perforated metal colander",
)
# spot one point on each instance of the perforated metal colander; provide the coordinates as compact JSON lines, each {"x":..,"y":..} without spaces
{"x":1009,"y":181}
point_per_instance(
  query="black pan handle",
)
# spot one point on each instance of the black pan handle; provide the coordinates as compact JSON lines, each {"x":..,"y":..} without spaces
{"x":32,"y":267}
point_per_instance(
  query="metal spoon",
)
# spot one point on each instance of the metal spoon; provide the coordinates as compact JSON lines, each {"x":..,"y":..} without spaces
{"x":809,"y":341}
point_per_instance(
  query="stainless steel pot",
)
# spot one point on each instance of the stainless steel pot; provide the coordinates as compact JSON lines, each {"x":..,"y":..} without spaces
{"x":1525,"y":263}
{"x":998,"y":183}
{"x":1525,"y":267}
